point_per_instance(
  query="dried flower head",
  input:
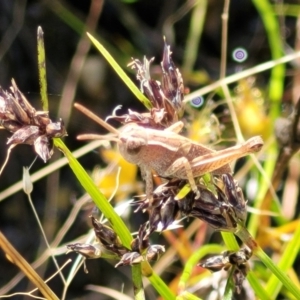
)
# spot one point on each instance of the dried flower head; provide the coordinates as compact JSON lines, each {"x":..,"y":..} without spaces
{"x":228,"y":260}
{"x":108,"y":245}
{"x":141,"y":249}
{"x":166,"y":96}
{"x":108,"y":238}
{"x":28,"y":125}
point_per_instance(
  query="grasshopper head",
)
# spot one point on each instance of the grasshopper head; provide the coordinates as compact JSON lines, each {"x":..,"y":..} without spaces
{"x":132,"y":139}
{"x":255,"y":143}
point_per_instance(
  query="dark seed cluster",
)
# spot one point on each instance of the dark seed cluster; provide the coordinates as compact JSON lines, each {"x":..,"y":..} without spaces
{"x":108,"y":245}
{"x":222,"y":209}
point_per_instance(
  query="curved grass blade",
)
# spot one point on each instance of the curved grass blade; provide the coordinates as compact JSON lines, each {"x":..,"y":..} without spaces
{"x":194,"y":259}
{"x":120,"y":72}
{"x":105,"y":207}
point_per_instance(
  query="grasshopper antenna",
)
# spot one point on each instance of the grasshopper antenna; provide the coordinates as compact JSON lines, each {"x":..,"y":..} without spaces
{"x":7,"y":157}
{"x":91,"y":136}
{"x":97,"y":119}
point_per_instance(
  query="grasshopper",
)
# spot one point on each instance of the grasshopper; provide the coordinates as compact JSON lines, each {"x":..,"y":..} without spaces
{"x":169,"y":154}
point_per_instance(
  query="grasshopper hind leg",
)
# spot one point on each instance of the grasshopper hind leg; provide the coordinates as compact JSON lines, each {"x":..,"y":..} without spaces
{"x":181,"y":168}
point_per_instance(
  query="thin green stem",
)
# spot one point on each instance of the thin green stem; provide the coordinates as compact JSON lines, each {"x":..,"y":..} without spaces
{"x":230,"y":286}
{"x":137,"y":280}
{"x":271,"y":24}
{"x":264,"y":186}
{"x":194,"y":35}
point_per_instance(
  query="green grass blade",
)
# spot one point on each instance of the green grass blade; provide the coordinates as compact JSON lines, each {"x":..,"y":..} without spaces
{"x":99,"y":199}
{"x":272,"y":27}
{"x":120,"y":72}
{"x":232,"y":245}
{"x":276,"y":87}
{"x":285,"y":263}
{"x":282,"y":277}
{"x":195,"y":30}
{"x":194,"y":259}
{"x":156,"y":281}
{"x":230,"y":241}
{"x":187,"y":296}
{"x":42,"y":68}
{"x":246,"y":237}
{"x":259,"y":290}
{"x":115,"y":221}
{"x":161,"y":287}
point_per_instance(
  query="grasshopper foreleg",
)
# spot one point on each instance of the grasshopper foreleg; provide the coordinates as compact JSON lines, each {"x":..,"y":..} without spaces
{"x":147,"y":176}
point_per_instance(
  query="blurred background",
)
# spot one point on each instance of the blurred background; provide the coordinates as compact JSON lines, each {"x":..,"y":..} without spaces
{"x":76,"y":72}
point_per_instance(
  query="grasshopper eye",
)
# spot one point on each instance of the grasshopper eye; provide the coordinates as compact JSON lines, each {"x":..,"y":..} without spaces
{"x":134,"y":150}
{"x":133,"y":145}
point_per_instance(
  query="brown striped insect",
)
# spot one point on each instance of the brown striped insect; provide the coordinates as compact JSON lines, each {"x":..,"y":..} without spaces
{"x":168,"y":153}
